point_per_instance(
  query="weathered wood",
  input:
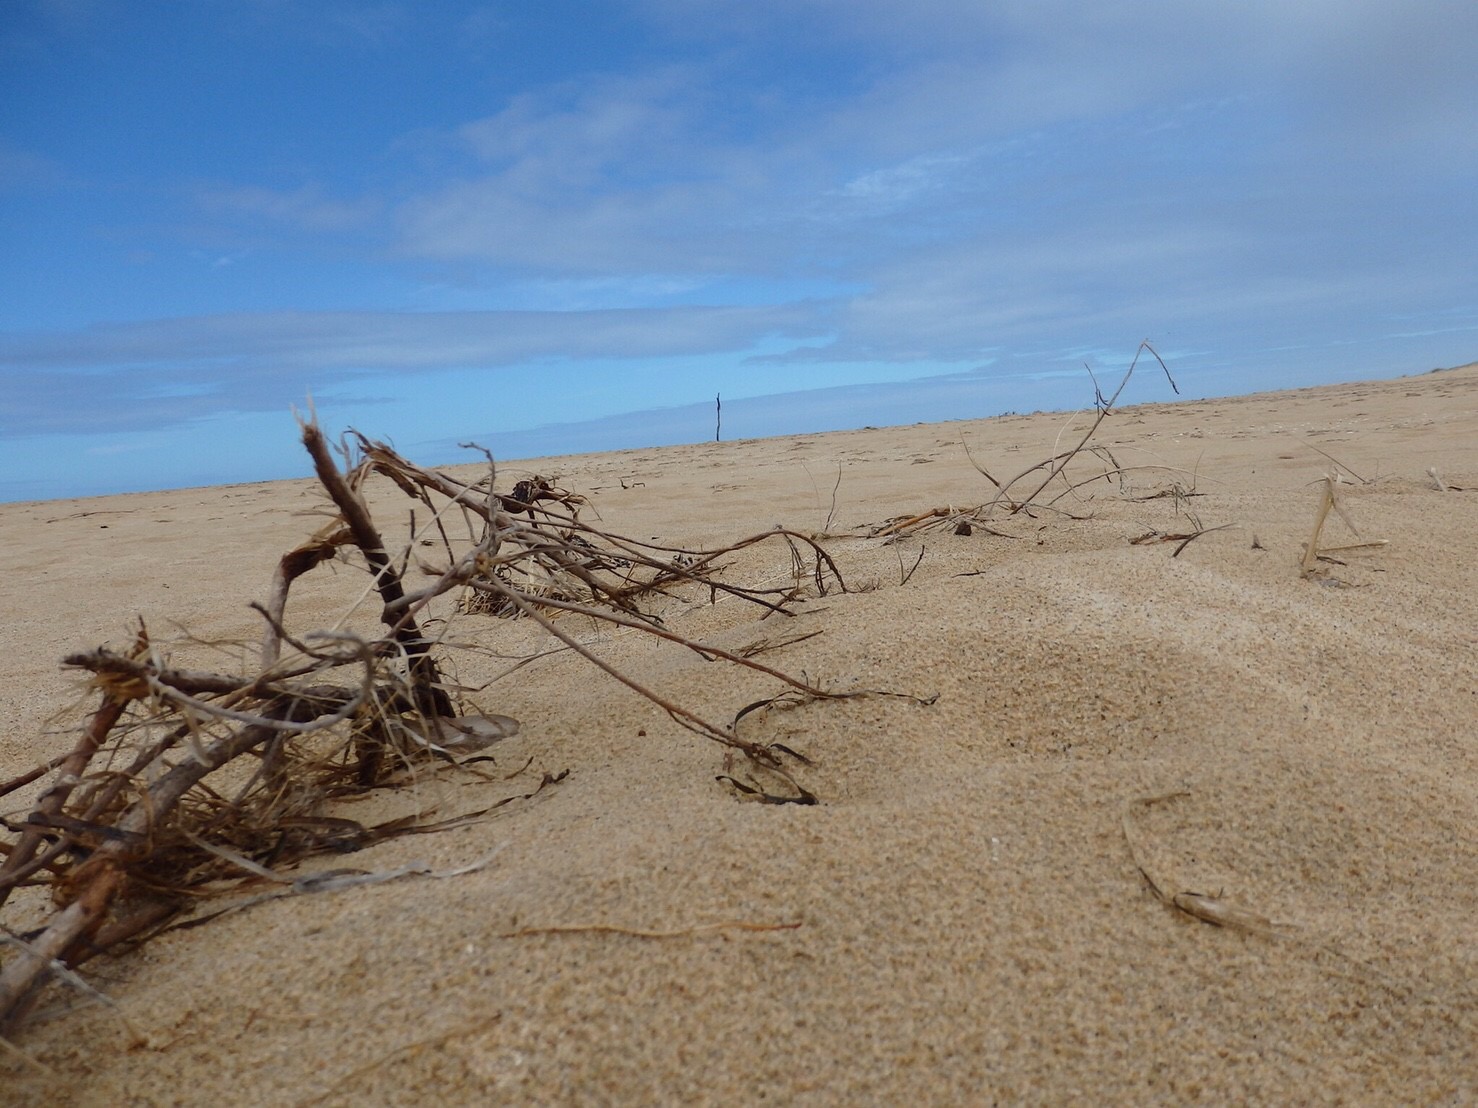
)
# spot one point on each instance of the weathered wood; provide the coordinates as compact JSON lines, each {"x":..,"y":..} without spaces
{"x":22,"y":861}
{"x":430,"y":698}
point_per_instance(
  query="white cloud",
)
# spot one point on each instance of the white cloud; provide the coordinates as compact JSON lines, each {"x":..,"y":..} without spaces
{"x":619,"y":174}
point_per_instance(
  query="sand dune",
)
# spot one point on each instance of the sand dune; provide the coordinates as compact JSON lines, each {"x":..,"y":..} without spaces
{"x":971,"y":923}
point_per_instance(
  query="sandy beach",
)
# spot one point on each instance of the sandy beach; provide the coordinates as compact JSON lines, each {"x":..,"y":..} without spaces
{"x":966,"y":916}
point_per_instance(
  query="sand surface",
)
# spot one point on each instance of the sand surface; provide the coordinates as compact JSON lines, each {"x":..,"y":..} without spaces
{"x":973,"y":926}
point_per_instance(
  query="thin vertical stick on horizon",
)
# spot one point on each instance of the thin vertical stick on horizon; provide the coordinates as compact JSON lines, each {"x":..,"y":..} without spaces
{"x":718,"y":415}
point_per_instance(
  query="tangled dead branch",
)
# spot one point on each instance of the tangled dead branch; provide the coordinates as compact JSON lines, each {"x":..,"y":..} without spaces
{"x":1008,"y":502}
{"x":185,"y":783}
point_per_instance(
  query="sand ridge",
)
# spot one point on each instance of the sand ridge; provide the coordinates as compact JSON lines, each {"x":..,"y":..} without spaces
{"x":973,"y":924}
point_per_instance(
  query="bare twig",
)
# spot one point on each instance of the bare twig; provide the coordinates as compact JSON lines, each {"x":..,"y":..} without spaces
{"x":1060,"y":461}
{"x":644,"y":933}
{"x":21,"y":862}
{"x":1053,"y":468}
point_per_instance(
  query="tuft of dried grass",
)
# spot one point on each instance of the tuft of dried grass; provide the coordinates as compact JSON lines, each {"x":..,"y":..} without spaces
{"x":1313,"y":552}
{"x":1053,"y":470}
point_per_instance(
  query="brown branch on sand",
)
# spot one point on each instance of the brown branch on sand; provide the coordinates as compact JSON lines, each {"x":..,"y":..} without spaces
{"x":426,"y":689}
{"x":20,"y":860}
{"x":211,"y":779}
{"x":1183,"y":538}
{"x":296,"y":562}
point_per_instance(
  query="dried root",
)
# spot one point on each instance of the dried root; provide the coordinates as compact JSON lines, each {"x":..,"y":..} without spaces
{"x":185,"y":783}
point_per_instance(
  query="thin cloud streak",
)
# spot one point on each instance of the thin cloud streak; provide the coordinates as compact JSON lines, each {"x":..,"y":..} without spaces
{"x":153,"y":374}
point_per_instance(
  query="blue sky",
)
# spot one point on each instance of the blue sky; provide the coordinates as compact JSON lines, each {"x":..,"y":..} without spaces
{"x":553,"y":226}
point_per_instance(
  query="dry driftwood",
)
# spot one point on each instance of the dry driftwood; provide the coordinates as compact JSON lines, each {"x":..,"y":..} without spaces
{"x":184,"y":782}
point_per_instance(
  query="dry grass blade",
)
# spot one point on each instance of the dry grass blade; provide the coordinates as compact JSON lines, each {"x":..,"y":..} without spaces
{"x":1103,"y":407}
{"x":1338,"y":464}
{"x":643,"y":933}
{"x":1313,"y":552}
{"x":1311,"y":548}
{"x":762,"y":646}
{"x":1220,"y":912}
{"x":1201,"y":906}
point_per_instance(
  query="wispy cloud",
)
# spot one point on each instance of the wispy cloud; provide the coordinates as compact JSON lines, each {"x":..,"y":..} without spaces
{"x":606,"y":176}
{"x":138,"y":375}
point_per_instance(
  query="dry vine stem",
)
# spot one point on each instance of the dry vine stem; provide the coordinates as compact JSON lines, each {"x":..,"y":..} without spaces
{"x":184,"y":783}
{"x":1054,"y":469}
